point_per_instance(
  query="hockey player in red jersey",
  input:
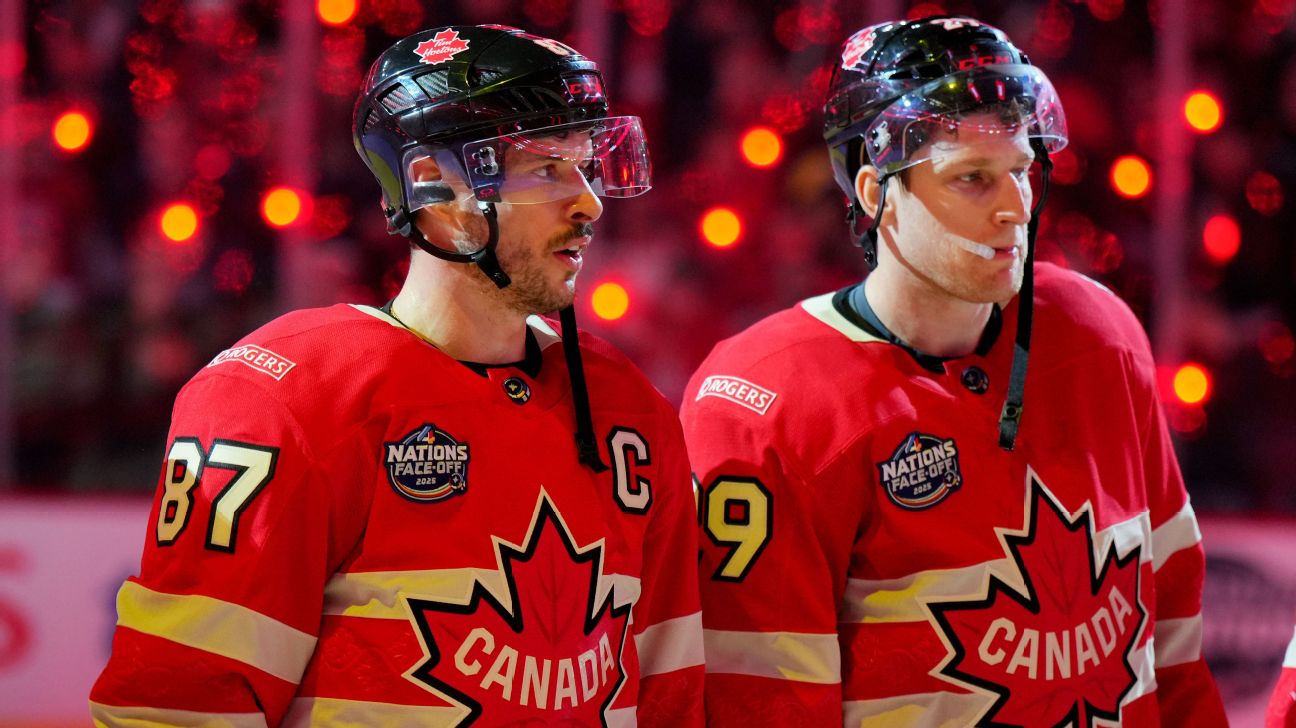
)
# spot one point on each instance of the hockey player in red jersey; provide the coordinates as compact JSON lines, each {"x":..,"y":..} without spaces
{"x":1282,"y":705}
{"x":900,"y":528}
{"x":443,"y":512}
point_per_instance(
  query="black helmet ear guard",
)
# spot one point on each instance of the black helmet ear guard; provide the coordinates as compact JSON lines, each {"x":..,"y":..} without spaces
{"x":896,"y":84}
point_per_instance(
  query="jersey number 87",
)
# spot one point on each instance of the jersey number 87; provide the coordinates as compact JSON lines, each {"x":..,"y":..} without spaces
{"x":253,"y":466}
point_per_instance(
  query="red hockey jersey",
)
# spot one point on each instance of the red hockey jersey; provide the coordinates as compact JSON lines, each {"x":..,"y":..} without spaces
{"x":1282,"y":706}
{"x":354,"y":529}
{"x":871,"y":557}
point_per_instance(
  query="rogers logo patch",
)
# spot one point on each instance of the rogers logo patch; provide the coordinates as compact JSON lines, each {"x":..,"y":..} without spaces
{"x":739,"y":391}
{"x":262,"y":360}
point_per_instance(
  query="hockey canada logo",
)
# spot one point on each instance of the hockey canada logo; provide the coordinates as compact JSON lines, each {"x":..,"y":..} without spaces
{"x":427,"y":465}
{"x":441,"y":47}
{"x":1059,"y":650}
{"x":547,"y":650}
{"x":921,"y":472}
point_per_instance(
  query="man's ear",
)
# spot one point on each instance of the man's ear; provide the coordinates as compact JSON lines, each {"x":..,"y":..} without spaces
{"x":425,"y":170}
{"x":867,"y":189}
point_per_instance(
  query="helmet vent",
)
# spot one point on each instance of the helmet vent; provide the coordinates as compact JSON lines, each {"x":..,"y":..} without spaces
{"x":435,"y":83}
{"x":371,"y":120}
{"x":486,"y":76}
{"x":396,"y":100}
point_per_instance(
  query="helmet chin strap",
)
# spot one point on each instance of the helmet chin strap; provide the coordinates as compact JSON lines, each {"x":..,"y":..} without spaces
{"x":868,"y":240}
{"x":1010,"y":416}
{"x":484,"y":258}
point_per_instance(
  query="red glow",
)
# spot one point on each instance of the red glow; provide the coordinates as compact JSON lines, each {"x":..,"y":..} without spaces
{"x":331,"y":216}
{"x":1107,"y":10}
{"x":922,"y":10}
{"x":212,"y":161}
{"x":1264,"y":193}
{"x":1221,"y":238}
{"x":1068,"y":167}
{"x":1276,"y":343}
{"x":13,"y":59}
{"x":233,"y":271}
{"x":647,"y":17}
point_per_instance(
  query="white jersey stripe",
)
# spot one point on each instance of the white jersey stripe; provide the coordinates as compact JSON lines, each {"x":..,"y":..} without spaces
{"x":919,"y":710}
{"x":1178,"y":641}
{"x":1290,"y":659}
{"x":380,"y":594}
{"x":821,"y":308}
{"x":670,"y":645}
{"x":357,"y":713}
{"x":218,"y":627}
{"x":1144,"y":665}
{"x":901,"y":600}
{"x":796,"y":656}
{"x":1176,"y":534}
{"x":141,"y":717}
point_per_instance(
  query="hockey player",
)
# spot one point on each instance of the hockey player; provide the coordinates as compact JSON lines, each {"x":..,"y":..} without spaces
{"x":381,"y":516}
{"x":888,"y":539}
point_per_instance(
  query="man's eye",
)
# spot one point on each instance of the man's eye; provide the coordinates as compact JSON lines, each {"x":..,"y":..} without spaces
{"x":971,"y":177}
{"x":546,"y":171}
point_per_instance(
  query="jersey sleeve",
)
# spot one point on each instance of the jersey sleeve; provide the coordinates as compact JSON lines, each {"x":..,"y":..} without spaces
{"x":1282,"y":705}
{"x":245,"y":528}
{"x":668,"y":618}
{"x":767,"y":574}
{"x":1186,"y":691}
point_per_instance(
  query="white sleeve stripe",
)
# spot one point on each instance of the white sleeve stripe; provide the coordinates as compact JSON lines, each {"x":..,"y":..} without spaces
{"x":1290,"y":659}
{"x":1178,"y":641}
{"x":622,"y":718}
{"x":670,"y":645}
{"x":945,"y":709}
{"x":219,"y":627}
{"x":1176,"y":534}
{"x":134,"y":716}
{"x":794,"y":656}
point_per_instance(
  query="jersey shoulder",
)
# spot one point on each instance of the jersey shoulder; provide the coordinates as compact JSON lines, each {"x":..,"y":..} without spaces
{"x":1079,"y":315}
{"x":619,"y":380}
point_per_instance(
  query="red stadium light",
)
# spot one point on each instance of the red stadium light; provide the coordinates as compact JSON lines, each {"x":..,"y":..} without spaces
{"x":72,"y":131}
{"x":1203,"y":112}
{"x":1221,"y":238}
{"x":335,"y":12}
{"x":610,"y":301}
{"x":721,"y":227}
{"x":179,"y":222}
{"x":761,"y":147}
{"x":1131,"y":176}
{"x":1192,"y":384}
{"x":1264,"y":193}
{"x":283,"y":206}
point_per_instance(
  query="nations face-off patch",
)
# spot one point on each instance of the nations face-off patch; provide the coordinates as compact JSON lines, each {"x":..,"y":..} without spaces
{"x":922,"y":471}
{"x":427,"y":465}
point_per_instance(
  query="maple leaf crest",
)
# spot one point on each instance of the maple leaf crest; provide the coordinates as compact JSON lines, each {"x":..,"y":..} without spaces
{"x":547,"y":650}
{"x":1060,"y":653}
{"x":441,"y":47}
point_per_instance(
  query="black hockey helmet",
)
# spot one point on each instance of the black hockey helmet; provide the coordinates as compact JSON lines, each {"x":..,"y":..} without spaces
{"x":471,"y":97}
{"x":897,"y":83}
{"x":893,"y":82}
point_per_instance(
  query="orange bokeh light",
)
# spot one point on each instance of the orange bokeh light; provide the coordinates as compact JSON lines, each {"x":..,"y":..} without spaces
{"x":281,"y":206}
{"x":72,"y":131}
{"x":1192,"y":384}
{"x":1203,"y":112}
{"x":179,"y":222}
{"x":1221,"y":238}
{"x":721,"y":227}
{"x":610,"y":301}
{"x":1131,"y":177}
{"x":761,"y":147}
{"x":335,"y":12}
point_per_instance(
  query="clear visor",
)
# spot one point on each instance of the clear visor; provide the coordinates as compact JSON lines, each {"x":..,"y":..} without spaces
{"x":607,"y":157}
{"x":991,"y":104}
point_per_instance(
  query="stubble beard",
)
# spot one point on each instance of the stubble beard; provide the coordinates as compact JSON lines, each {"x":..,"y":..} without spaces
{"x":531,"y":290}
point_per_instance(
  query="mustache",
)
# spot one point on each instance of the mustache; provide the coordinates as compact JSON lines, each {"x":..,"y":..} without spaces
{"x":579,"y":230}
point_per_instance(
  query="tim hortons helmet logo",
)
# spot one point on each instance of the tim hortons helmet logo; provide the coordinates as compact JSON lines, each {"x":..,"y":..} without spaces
{"x":441,"y":47}
{"x":857,"y":46}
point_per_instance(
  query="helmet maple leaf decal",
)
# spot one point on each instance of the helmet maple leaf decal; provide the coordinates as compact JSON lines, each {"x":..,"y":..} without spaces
{"x":1059,"y":654}
{"x":549,"y":649}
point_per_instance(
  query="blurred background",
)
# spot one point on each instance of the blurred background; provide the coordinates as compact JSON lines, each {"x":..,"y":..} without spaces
{"x":175,"y":173}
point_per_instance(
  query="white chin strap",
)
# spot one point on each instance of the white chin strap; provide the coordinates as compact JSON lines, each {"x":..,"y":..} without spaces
{"x":975,"y":248}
